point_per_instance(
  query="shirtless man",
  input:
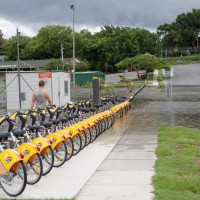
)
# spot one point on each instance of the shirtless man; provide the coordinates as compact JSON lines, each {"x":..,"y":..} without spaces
{"x":40,"y":96}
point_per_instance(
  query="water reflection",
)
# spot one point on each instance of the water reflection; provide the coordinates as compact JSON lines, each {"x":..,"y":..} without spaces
{"x":182,"y":110}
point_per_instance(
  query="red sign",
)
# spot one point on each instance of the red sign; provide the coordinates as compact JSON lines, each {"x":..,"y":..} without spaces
{"x":44,"y":75}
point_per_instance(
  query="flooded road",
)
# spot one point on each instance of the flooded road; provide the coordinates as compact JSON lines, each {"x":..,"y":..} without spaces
{"x":183,"y":109}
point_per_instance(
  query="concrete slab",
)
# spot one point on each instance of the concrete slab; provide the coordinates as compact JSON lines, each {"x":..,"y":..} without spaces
{"x":130,"y":155}
{"x":130,"y":134}
{"x":136,"y":177}
{"x":128,"y":165}
{"x":134,"y":147}
{"x":117,"y":192}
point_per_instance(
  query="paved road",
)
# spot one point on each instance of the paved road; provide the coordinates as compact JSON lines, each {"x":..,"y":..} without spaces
{"x":114,"y":78}
{"x":187,"y":74}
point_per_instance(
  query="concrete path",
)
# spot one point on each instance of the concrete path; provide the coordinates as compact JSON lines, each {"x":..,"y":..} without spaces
{"x":127,"y":171}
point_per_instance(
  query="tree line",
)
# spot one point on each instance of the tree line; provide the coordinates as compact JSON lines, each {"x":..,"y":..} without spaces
{"x":104,"y":49}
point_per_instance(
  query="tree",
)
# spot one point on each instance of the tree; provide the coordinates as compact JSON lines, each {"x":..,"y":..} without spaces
{"x":47,"y":43}
{"x":146,"y":61}
{"x":1,"y":38}
{"x":1,"y":41}
{"x":113,"y":44}
{"x":56,"y":64}
{"x":183,"y":32}
{"x":10,"y":46}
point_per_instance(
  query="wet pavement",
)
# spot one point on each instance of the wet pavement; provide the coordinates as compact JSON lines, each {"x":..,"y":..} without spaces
{"x":120,"y":163}
{"x":127,"y":171}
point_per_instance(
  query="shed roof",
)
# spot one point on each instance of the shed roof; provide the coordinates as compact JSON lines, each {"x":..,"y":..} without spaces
{"x":90,"y":72}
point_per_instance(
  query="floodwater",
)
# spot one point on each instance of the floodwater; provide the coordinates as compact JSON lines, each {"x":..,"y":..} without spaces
{"x":183,"y":108}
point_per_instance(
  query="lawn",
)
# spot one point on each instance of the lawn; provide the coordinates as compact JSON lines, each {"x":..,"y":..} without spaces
{"x":177,"y":169}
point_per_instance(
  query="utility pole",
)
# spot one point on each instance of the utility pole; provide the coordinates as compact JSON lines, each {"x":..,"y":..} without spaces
{"x":18,"y":67}
{"x":62,"y":59}
{"x":72,"y":7}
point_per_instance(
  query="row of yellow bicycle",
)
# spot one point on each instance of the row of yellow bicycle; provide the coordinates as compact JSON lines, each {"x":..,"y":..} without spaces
{"x":32,"y":142}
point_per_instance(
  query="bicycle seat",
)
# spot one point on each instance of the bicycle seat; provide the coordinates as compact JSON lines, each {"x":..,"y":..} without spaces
{"x":75,"y":115}
{"x":98,"y":105}
{"x":70,"y":117}
{"x":18,"y":133}
{"x":93,"y":109}
{"x":46,"y":124}
{"x":55,"y":121}
{"x":36,"y":128}
{"x":4,"y":135}
{"x":64,"y":120}
{"x":86,"y":110}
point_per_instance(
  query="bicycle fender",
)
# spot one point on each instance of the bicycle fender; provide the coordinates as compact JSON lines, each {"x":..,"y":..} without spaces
{"x":27,"y":150}
{"x":54,"y":139}
{"x":85,"y":124}
{"x":9,"y":159}
{"x":65,"y":134}
{"x":79,"y":126}
{"x":41,"y":143}
{"x":73,"y":130}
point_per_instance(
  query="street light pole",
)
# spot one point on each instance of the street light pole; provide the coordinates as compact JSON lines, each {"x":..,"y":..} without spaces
{"x":62,"y":59}
{"x":72,"y":7}
{"x":18,"y":67}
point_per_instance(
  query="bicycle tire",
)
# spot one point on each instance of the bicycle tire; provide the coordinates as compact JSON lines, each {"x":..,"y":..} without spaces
{"x":59,"y":159}
{"x":83,"y":139}
{"x":24,"y":181}
{"x":70,"y":148}
{"x":88,"y":136}
{"x":93,"y":132}
{"x":36,"y":172}
{"x":77,"y":144}
{"x":47,"y":160}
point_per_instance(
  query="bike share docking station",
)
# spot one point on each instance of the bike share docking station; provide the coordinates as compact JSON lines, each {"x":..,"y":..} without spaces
{"x":96,"y":90}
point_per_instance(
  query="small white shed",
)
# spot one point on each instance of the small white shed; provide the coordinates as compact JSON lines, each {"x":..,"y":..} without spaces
{"x":57,"y":84}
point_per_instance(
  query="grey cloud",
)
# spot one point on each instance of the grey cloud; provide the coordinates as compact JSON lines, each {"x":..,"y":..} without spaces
{"x":144,"y":13}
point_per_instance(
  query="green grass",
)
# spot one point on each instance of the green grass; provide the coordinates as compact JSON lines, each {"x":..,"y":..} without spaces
{"x":160,"y":80}
{"x":183,"y":60}
{"x":178,"y":164}
{"x":150,"y":76}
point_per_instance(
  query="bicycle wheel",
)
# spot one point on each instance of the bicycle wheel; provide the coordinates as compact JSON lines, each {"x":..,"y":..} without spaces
{"x":88,"y":136}
{"x":83,"y":139}
{"x":112,"y":120}
{"x":14,"y":182}
{"x":70,"y":148}
{"x":47,"y":161}
{"x":77,"y":144}
{"x":60,"y":155}
{"x":93,"y":132}
{"x":34,"y":170}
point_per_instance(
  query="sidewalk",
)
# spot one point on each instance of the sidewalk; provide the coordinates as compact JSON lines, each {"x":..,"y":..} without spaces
{"x":127,"y":171}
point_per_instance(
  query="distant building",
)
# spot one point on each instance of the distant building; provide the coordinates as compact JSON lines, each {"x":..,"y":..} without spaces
{"x":26,"y":65}
{"x":2,"y":57}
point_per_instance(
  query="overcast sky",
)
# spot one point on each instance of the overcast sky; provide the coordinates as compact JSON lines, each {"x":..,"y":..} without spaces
{"x":30,"y":15}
